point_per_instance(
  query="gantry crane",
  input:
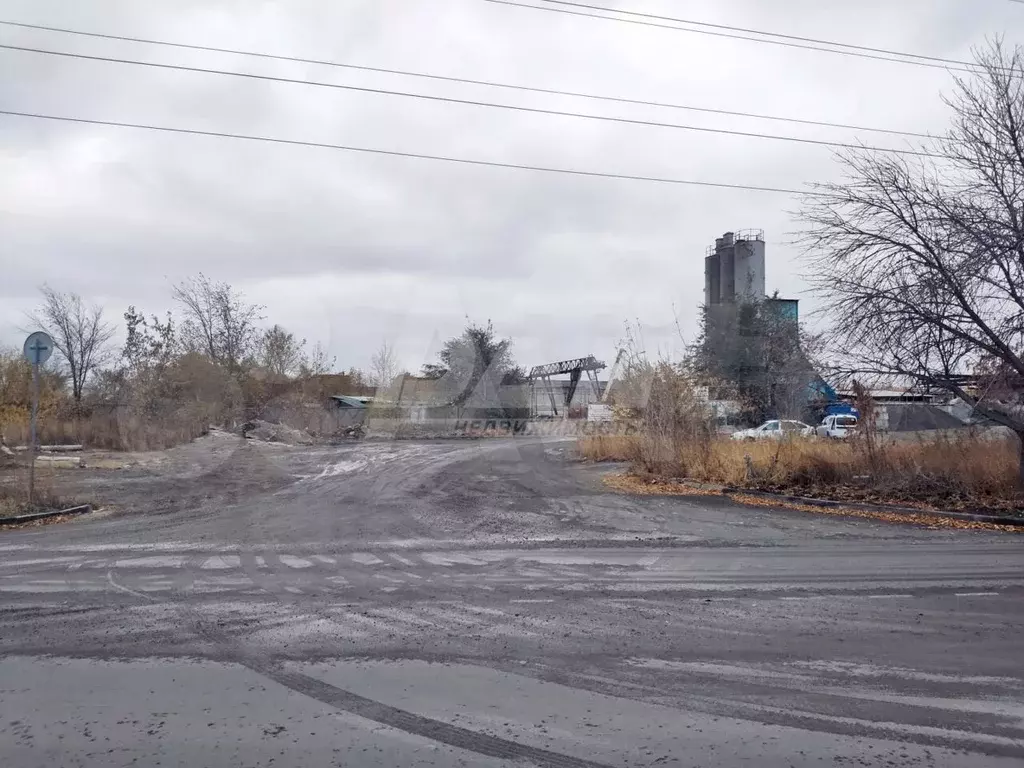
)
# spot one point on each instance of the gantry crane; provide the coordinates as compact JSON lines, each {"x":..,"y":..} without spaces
{"x":575,"y":370}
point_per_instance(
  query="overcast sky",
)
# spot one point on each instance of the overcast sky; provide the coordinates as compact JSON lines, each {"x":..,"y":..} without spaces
{"x":347,"y":249}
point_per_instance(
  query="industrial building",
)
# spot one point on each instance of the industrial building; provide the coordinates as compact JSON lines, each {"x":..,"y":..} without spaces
{"x":734,"y":274}
{"x":734,"y":269}
{"x":740,"y":319}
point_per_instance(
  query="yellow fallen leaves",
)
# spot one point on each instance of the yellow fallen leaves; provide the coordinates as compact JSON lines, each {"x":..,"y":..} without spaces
{"x":641,"y":487}
{"x":38,"y":523}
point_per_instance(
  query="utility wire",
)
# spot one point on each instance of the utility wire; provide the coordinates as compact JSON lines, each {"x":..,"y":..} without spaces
{"x":468,"y":81}
{"x":469,"y":102}
{"x":968,"y":68}
{"x":421,"y":156}
{"x":777,"y":35}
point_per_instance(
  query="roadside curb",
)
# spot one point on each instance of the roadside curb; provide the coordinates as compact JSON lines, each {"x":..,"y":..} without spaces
{"x":82,"y":509}
{"x":830,"y":504}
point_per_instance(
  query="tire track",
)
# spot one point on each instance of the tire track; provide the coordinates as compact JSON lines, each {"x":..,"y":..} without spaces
{"x":369,"y":709}
{"x":409,"y":722}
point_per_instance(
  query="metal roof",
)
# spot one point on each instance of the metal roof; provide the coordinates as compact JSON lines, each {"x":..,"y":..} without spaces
{"x":352,"y":402}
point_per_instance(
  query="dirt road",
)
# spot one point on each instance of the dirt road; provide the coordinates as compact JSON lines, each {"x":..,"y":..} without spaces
{"x":470,"y":603}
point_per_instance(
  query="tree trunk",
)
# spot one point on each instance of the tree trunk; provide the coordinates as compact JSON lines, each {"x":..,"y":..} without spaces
{"x":1020,"y":462}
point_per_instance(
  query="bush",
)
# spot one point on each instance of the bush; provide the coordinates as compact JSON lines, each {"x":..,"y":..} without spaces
{"x":963,"y":470}
{"x":675,"y":425}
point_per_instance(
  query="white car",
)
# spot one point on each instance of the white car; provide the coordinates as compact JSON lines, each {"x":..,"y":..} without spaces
{"x":775,"y":430}
{"x":838,"y":426}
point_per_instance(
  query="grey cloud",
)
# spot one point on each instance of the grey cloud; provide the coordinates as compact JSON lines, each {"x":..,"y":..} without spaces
{"x":557,"y":262}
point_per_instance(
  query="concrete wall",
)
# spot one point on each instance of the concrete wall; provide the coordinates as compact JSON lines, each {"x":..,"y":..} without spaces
{"x":749,"y":281}
{"x":712,"y":280}
{"x":727,"y":271}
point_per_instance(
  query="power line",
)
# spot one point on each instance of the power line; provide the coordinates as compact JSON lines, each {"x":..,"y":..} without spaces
{"x":778,"y":35}
{"x":468,"y":81}
{"x":470,"y":102}
{"x":417,"y":155}
{"x":967,"y":66}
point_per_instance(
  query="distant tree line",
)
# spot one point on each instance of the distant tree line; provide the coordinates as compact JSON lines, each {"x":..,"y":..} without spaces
{"x":213,"y":360}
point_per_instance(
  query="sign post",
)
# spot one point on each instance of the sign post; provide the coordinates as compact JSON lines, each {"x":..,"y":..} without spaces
{"x":38,"y":348}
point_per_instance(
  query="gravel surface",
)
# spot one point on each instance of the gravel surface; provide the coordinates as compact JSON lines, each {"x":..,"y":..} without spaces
{"x":491,"y":603}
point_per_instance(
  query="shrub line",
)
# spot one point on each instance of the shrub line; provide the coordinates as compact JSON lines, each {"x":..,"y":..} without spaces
{"x":831,"y":504}
{"x":82,"y":509}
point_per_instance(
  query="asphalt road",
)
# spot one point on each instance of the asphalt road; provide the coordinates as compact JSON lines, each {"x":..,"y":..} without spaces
{"x":488,"y":603}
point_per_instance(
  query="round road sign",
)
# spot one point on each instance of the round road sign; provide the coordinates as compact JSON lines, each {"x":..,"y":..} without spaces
{"x":38,"y":348}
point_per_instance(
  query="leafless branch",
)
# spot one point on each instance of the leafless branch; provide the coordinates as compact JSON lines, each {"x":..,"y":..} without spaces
{"x":218,"y":322}
{"x":921,"y":263}
{"x":79,"y":333}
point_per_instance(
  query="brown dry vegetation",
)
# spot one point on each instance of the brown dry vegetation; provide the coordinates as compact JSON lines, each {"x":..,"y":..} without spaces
{"x":180,"y":403}
{"x":124,"y":428}
{"x":214,"y":364}
{"x":14,"y":496}
{"x":962,"y":470}
{"x":112,"y":429}
{"x":948,"y":472}
{"x":609,"y":447}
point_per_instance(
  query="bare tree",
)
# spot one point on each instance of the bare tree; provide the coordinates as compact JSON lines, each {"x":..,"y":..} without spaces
{"x":629,"y":384}
{"x":921,"y":263}
{"x":757,"y":353}
{"x":218,"y":322}
{"x":280,"y":352}
{"x":383,"y":366}
{"x":79,"y":334}
{"x":317,"y":363}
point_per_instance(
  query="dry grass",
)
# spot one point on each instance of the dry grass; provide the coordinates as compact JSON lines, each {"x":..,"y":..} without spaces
{"x":14,"y":499}
{"x":126,"y":429}
{"x":609,"y":447}
{"x":112,"y":431}
{"x":14,"y":496}
{"x":961,"y":472}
